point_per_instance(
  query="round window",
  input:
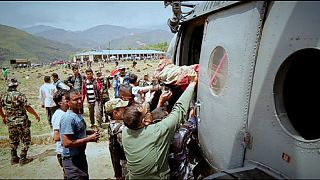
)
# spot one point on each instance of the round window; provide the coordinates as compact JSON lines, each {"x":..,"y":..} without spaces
{"x":218,"y":69}
{"x":296,"y":94}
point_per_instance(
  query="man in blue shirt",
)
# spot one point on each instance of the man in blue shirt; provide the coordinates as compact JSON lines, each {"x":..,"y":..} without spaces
{"x":121,"y":78}
{"x":74,"y":138}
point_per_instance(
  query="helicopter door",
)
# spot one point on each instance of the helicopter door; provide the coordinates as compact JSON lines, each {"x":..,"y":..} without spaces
{"x":227,"y":60}
{"x":283,"y":118}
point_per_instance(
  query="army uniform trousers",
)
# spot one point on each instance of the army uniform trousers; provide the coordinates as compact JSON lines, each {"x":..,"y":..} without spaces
{"x":20,"y":132}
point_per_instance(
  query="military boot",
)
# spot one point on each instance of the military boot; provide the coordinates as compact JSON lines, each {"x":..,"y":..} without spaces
{"x":23,"y":158}
{"x":14,"y":157}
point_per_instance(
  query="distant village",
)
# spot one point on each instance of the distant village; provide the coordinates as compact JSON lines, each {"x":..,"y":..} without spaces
{"x":95,"y":56}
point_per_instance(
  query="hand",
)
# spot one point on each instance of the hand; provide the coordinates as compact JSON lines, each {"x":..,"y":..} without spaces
{"x":192,"y":112}
{"x":164,"y":97}
{"x":5,"y":120}
{"x":90,"y":131}
{"x":38,"y":117}
{"x":156,"y":87}
{"x":94,"y":137}
{"x":193,"y":77}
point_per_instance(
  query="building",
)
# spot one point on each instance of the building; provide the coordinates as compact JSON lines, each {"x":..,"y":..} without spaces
{"x":111,"y":55}
{"x":15,"y":63}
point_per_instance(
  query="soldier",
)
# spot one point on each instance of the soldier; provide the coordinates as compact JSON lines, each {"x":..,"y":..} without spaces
{"x":13,"y":110}
{"x":115,"y":108}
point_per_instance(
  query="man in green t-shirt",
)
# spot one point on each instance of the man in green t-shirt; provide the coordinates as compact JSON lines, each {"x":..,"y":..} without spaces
{"x":146,"y":145}
{"x":5,"y":73}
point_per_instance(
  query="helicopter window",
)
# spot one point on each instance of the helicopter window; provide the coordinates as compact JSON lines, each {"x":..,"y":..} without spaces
{"x":191,"y":40}
{"x":218,"y":69}
{"x":296,"y":92}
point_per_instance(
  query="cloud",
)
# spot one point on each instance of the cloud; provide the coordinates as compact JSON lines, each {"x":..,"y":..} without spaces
{"x":83,"y":15}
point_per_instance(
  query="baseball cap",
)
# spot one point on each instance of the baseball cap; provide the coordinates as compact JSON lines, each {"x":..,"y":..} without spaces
{"x":12,"y":82}
{"x":122,"y":67}
{"x":115,"y":103}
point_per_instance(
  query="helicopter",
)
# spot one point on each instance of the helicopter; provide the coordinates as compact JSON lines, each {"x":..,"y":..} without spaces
{"x":257,"y":93}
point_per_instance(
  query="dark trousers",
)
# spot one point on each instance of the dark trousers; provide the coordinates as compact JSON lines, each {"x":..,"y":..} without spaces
{"x":117,"y":154}
{"x":59,"y":157}
{"x":94,"y":112}
{"x":50,"y":111}
{"x":76,"y":167}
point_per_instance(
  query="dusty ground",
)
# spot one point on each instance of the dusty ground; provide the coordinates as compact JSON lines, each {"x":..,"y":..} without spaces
{"x":45,"y":165}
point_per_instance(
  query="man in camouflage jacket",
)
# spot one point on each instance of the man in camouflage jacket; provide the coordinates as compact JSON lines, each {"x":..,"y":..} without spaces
{"x":114,"y":109}
{"x":13,"y":110}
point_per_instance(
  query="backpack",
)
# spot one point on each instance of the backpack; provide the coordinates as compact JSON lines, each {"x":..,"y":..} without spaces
{"x":57,"y":85}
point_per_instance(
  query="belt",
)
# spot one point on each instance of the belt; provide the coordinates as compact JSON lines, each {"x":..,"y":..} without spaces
{"x":64,"y":158}
{"x":70,"y":157}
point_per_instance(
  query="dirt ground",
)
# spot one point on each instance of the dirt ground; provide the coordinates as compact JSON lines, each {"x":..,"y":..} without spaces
{"x":45,"y":164}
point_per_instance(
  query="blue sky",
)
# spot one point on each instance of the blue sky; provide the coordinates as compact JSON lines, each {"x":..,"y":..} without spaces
{"x":82,"y":15}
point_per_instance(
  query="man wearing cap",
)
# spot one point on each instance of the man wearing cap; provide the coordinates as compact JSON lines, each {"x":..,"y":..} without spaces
{"x":13,"y":111}
{"x":121,"y":78}
{"x":115,"y":108}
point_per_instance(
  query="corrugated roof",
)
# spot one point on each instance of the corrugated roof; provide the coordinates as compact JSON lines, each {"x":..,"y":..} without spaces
{"x":107,"y":52}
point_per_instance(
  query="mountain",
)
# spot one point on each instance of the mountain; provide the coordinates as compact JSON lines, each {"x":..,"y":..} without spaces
{"x":104,"y":33}
{"x":140,"y":40}
{"x":18,"y":44}
{"x":100,"y":36}
{"x":76,"y":39}
{"x":38,"y":29}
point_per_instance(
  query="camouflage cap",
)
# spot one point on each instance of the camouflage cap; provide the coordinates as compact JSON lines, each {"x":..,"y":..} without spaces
{"x":74,"y":66}
{"x":115,"y":103}
{"x":12,"y":82}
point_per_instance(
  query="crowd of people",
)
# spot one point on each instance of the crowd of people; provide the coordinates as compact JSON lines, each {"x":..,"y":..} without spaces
{"x":148,"y":129}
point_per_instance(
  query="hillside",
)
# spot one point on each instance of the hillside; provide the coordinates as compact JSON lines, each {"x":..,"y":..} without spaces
{"x":99,"y":36}
{"x":75,"y":39}
{"x":38,"y":29}
{"x":104,"y":33}
{"x":140,"y":40}
{"x":15,"y":43}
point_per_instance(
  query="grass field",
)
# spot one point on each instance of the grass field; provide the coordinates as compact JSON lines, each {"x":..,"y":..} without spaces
{"x":32,"y":78}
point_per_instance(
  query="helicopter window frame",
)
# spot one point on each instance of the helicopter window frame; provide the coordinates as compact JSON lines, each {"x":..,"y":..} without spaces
{"x":190,"y":42}
{"x":218,"y":70}
{"x":292,"y":105}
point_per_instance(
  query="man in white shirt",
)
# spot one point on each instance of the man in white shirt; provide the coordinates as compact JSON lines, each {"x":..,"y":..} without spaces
{"x":139,"y":92}
{"x":58,"y":82}
{"x":62,"y":105}
{"x":46,"y":96}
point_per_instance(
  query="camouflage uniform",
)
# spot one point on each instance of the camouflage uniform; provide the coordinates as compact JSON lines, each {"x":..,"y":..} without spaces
{"x":14,"y":103}
{"x":115,"y":145}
